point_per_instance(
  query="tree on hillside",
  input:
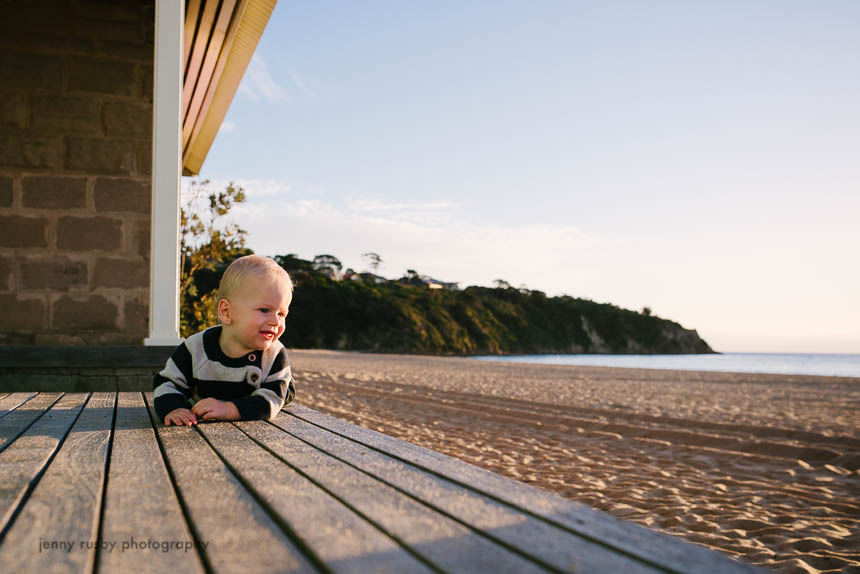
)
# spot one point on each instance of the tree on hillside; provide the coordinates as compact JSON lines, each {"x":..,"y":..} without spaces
{"x":208,"y":243}
{"x":373,"y":260}
{"x":292,"y":263}
{"x":328,"y":265}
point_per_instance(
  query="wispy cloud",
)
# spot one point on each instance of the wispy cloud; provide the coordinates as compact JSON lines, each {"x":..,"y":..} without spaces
{"x":259,"y":85}
{"x":371,"y":205}
{"x":302,"y":84}
{"x":434,"y":237}
{"x":227,"y":126}
{"x":257,"y":189}
{"x":375,"y":210}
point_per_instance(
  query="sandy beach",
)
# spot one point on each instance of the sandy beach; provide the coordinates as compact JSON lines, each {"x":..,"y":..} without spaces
{"x":762,"y":467}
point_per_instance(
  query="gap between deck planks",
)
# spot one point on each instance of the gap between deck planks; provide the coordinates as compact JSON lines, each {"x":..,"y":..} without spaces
{"x":303,"y":493}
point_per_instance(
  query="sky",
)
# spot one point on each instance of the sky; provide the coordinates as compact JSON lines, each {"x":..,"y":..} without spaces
{"x":699,"y":158}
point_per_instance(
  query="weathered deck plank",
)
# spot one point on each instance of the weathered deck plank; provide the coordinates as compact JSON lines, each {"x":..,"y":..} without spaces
{"x":234,"y":532}
{"x":540,"y":541}
{"x":338,"y":536}
{"x":140,"y":503}
{"x":17,"y":421}
{"x":22,"y":463}
{"x":441,"y":541}
{"x":660,"y":550}
{"x":82,"y":476}
{"x":65,"y":504}
{"x":11,"y":401}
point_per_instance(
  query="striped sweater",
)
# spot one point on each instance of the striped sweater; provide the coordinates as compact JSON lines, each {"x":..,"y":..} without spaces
{"x":259,"y":383}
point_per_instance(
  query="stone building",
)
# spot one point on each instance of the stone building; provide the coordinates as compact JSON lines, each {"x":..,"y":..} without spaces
{"x":86,"y":87}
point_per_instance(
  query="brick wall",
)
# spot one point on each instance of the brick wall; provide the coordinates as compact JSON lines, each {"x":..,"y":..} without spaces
{"x":75,"y":160}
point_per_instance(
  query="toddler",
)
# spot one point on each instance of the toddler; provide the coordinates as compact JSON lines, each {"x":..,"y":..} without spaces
{"x":237,"y":370}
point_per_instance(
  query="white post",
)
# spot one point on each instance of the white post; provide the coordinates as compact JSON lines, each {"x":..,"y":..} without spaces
{"x":166,"y":174}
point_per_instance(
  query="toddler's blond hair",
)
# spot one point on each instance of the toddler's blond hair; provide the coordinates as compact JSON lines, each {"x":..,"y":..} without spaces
{"x":251,"y":265}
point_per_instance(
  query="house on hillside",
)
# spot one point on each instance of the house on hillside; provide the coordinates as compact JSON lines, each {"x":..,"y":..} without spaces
{"x":416,"y":280}
{"x":436,"y":284}
{"x":104,"y":106}
{"x":372,"y":278}
{"x":332,"y":273}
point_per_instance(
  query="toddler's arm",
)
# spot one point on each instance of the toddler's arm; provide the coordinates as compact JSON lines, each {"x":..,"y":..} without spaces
{"x":180,"y":417}
{"x":172,"y":386}
{"x":210,"y":409}
{"x":276,"y":390}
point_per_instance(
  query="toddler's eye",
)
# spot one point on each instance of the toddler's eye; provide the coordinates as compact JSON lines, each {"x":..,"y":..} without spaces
{"x":264,"y":310}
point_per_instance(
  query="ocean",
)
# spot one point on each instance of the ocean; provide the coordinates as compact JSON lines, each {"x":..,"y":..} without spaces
{"x":839,"y":365}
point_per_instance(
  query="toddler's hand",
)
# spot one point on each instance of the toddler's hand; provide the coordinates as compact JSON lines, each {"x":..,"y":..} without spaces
{"x":214,"y":410}
{"x":180,"y":417}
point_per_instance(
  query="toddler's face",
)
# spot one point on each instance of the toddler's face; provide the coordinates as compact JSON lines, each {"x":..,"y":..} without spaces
{"x":257,"y":314}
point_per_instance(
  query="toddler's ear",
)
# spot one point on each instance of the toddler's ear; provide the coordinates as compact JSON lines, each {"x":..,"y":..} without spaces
{"x":224,"y":311}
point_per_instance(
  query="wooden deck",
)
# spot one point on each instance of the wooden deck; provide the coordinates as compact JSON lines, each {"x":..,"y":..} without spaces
{"x":89,"y":483}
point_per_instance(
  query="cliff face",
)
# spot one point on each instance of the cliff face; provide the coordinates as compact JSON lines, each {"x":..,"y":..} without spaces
{"x":392,"y":317}
{"x":686,"y":341}
{"x":672,"y":339}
